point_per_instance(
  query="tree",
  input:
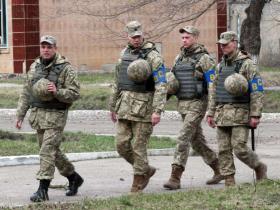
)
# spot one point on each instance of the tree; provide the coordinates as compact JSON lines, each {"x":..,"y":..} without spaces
{"x":250,"y":38}
{"x":163,"y":15}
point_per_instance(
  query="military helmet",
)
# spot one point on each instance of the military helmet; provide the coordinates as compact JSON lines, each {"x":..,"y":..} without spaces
{"x":139,"y":70}
{"x":40,"y":90}
{"x":172,"y":83}
{"x":236,"y":84}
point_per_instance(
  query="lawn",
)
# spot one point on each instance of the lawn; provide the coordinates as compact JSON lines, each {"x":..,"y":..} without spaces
{"x":94,"y":96}
{"x":97,"y":98}
{"x":85,"y":78}
{"x":244,"y":197}
{"x":269,"y":69}
{"x":26,"y":144}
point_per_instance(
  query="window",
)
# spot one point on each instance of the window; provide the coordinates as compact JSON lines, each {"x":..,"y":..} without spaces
{"x":3,"y":24}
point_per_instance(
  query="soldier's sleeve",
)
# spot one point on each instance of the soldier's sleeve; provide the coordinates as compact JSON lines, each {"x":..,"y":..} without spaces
{"x":205,"y":68}
{"x":255,"y":87}
{"x":159,"y":75}
{"x":115,"y":90}
{"x":175,"y":61}
{"x":70,"y":91}
{"x":212,"y":94}
{"x":24,"y":101}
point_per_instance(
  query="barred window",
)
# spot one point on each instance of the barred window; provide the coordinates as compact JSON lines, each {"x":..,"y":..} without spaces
{"x":3,"y":24}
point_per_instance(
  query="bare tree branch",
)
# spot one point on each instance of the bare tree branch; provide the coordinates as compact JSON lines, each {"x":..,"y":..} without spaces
{"x":163,"y":15}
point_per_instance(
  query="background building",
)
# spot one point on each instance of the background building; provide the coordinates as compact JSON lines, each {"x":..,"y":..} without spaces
{"x":24,"y":21}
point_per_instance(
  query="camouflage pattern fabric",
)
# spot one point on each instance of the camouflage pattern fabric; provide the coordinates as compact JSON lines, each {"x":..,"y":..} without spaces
{"x":233,"y":119}
{"x":236,"y":85}
{"x":191,"y":134}
{"x":227,"y":37}
{"x":139,"y":70}
{"x":139,"y":106}
{"x":51,"y":156}
{"x":132,"y":141}
{"x":50,"y":123}
{"x":40,"y":90}
{"x":134,"y":111}
{"x":172,"y":83}
{"x":234,"y":139}
{"x":192,"y":112}
{"x":237,"y":114}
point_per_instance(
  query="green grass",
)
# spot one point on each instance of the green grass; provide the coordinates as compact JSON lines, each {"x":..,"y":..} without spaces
{"x":97,"y":98}
{"x":269,"y":69}
{"x":9,"y":97}
{"x":93,"y":98}
{"x":26,"y":144}
{"x":272,"y":102}
{"x":96,"y":78}
{"x":89,"y":78}
{"x":243,"y":197}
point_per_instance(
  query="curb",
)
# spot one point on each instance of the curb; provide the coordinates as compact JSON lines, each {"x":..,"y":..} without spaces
{"x":88,"y":115}
{"x":74,"y":157}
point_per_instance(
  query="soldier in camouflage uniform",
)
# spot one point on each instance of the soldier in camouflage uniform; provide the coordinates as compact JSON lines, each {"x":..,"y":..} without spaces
{"x":234,"y":114}
{"x":48,"y":114}
{"x":137,"y":107}
{"x":193,"y":69}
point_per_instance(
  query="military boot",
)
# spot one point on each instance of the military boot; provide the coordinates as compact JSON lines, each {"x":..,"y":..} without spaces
{"x":261,"y":172}
{"x":75,"y":181}
{"x":42,"y":192}
{"x":217,"y":176}
{"x":229,"y":181}
{"x":150,"y":173}
{"x":174,"y":180}
{"x":137,"y":185}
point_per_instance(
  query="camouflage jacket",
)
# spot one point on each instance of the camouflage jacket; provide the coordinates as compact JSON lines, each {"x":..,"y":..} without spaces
{"x":139,"y":106}
{"x":68,"y":90}
{"x":204,"y":68}
{"x":237,"y":114}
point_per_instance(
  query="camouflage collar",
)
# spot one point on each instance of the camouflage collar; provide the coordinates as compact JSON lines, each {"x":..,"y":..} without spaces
{"x":194,"y":49}
{"x":236,"y":56}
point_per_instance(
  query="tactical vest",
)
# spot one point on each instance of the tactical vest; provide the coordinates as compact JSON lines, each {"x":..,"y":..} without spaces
{"x":222,"y":96}
{"x":190,"y":86}
{"x":124,"y":83}
{"x":52,"y":75}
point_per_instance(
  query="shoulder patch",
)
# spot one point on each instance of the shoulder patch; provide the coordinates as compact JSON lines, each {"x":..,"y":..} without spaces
{"x":256,"y":85}
{"x":209,"y":75}
{"x":160,"y":75}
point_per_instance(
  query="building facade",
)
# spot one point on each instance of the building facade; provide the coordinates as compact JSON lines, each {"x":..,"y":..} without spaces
{"x":24,"y":21}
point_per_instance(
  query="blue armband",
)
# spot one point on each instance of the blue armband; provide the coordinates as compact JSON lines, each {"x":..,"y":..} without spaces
{"x":256,"y":85}
{"x":160,"y":75}
{"x":209,"y":75}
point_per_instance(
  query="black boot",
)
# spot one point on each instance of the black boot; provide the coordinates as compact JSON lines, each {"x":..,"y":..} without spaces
{"x":75,"y":181}
{"x":42,"y":192}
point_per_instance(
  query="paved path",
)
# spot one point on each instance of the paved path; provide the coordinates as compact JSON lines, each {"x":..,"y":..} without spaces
{"x":113,"y":177}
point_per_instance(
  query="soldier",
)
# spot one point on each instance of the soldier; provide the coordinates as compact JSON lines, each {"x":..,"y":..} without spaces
{"x":233,"y":108}
{"x":50,"y":89}
{"x":193,"y":69}
{"x":137,"y":101}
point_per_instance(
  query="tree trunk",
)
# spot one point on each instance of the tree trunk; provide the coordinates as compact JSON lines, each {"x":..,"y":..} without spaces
{"x":250,"y":38}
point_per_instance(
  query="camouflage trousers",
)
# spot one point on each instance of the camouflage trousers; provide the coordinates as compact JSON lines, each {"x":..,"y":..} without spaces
{"x":191,"y":134}
{"x":131,"y":142}
{"x":51,"y":155}
{"x":234,"y":139}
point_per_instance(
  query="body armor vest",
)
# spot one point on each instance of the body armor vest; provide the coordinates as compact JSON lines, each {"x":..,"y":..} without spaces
{"x":190,"y":86}
{"x":222,"y":96}
{"x":124,"y":83}
{"x":52,"y":75}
